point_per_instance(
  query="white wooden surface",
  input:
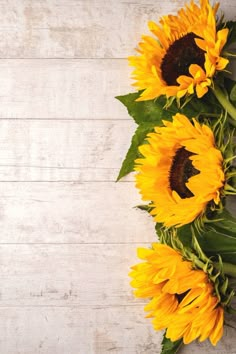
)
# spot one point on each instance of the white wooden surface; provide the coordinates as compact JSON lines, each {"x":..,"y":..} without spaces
{"x":68,"y":232}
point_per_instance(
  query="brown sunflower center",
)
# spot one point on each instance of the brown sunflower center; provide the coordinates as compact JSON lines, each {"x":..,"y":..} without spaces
{"x":180,"y":172}
{"x":179,"y":56}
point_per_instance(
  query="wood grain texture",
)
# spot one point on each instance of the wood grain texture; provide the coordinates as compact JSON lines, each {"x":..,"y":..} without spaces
{"x":63,"y":150}
{"x":61,"y":89}
{"x":75,"y":292}
{"x":79,"y":28}
{"x":68,"y":232}
{"x":64,"y":89}
{"x":76,"y":330}
{"x":101,"y":213}
{"x":66,"y":330}
{"x":67,"y":275}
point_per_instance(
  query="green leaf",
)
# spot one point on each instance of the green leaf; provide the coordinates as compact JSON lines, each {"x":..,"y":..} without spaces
{"x":156,"y":110}
{"x":228,"y":84}
{"x":158,"y":228}
{"x":219,"y":238}
{"x":133,"y":153}
{"x":207,"y":105}
{"x":144,"y":207}
{"x":149,"y":114}
{"x":146,"y":111}
{"x":227,"y":224}
{"x":231,"y":25}
{"x":215,"y":242}
{"x":169,"y":347}
{"x":233,"y":93}
{"x":185,"y":235}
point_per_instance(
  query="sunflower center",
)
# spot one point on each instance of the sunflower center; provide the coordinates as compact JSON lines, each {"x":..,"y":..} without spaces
{"x":180,"y":172}
{"x":179,"y":56}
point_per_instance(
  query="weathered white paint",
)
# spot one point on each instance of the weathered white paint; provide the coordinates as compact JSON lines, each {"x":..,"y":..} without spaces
{"x":80,"y":28}
{"x":63,"y":150}
{"x":60,"y":330}
{"x":67,"y":274}
{"x":68,"y":232}
{"x":76,"y":330}
{"x":76,"y":89}
{"x":79,"y":212}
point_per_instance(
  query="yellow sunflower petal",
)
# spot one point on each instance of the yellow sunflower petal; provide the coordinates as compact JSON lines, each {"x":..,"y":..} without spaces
{"x":157,"y":68}
{"x":180,"y":157}
{"x":190,"y":313}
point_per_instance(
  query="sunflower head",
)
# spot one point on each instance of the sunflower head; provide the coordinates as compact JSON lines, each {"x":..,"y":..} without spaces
{"x":181,"y":171}
{"x":184,"y":56}
{"x":183,"y":298}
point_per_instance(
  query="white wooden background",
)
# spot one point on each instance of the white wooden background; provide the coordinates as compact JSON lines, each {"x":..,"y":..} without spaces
{"x":68,"y":232}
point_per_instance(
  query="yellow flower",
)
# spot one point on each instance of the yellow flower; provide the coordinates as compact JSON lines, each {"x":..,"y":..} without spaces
{"x":183,"y":300}
{"x":184,"y":57}
{"x":180,"y":172}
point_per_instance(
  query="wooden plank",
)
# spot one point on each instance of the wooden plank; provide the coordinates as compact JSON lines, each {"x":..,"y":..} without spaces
{"x":64,"y":284}
{"x":62,"y":89}
{"x":67,"y":275}
{"x":225,"y":346}
{"x":91,"y":330}
{"x":78,"y":28}
{"x":73,"y":213}
{"x":76,"y":331}
{"x":63,"y":150}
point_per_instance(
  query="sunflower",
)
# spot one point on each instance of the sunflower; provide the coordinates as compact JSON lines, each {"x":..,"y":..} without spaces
{"x":180,"y":171}
{"x":182,"y":298}
{"x":184,"y":57}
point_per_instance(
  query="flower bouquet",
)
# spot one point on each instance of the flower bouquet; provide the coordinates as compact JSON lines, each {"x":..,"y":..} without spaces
{"x":183,"y":154}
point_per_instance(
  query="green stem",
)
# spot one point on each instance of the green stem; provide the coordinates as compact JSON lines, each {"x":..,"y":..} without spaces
{"x":223,"y":100}
{"x":228,"y":268}
{"x":228,"y":55}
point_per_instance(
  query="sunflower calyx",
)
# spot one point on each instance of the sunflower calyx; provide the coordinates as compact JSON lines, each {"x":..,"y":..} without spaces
{"x":183,"y":154}
{"x":214,"y":268}
{"x":179,"y":293}
{"x":223,"y":290}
